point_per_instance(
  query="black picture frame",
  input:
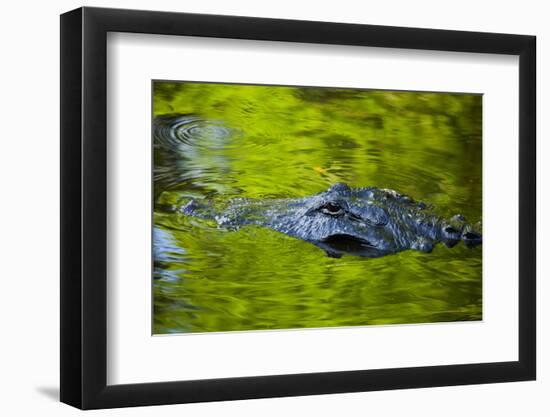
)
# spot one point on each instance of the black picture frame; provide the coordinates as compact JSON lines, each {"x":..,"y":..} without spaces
{"x":84,"y":207}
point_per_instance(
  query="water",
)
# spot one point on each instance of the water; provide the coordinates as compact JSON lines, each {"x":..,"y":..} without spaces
{"x":279,"y":142}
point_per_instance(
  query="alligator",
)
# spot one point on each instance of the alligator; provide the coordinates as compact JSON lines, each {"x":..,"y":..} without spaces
{"x":368,"y":222}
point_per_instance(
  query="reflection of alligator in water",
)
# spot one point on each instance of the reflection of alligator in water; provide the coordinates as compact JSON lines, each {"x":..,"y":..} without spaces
{"x":367,"y":222}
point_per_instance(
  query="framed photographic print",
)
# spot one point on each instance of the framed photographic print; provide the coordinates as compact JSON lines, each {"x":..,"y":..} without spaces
{"x":258,"y":207}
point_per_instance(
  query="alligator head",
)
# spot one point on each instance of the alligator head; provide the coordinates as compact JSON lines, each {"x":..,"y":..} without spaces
{"x":367,"y":222}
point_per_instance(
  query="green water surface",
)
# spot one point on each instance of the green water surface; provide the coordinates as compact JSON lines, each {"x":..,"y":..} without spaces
{"x":271,"y":141}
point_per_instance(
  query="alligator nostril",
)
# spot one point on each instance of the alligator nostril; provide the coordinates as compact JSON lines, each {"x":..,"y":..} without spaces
{"x":471,"y":238}
{"x":450,"y":230}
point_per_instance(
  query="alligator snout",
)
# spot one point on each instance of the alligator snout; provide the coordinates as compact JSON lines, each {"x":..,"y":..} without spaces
{"x":459,"y":230}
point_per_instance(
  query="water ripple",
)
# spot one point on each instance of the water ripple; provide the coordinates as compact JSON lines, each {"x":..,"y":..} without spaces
{"x":184,"y":133}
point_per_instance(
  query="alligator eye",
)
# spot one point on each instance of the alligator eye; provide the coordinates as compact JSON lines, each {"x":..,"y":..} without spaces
{"x":331,"y":208}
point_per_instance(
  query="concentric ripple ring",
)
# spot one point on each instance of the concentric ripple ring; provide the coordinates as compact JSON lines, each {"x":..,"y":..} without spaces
{"x":179,"y":133}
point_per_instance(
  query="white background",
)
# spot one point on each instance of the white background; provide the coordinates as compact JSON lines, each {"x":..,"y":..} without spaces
{"x":29,"y":168}
{"x":134,"y":356}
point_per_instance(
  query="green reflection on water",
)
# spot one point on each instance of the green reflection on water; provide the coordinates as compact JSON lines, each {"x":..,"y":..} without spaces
{"x":289,"y":142}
